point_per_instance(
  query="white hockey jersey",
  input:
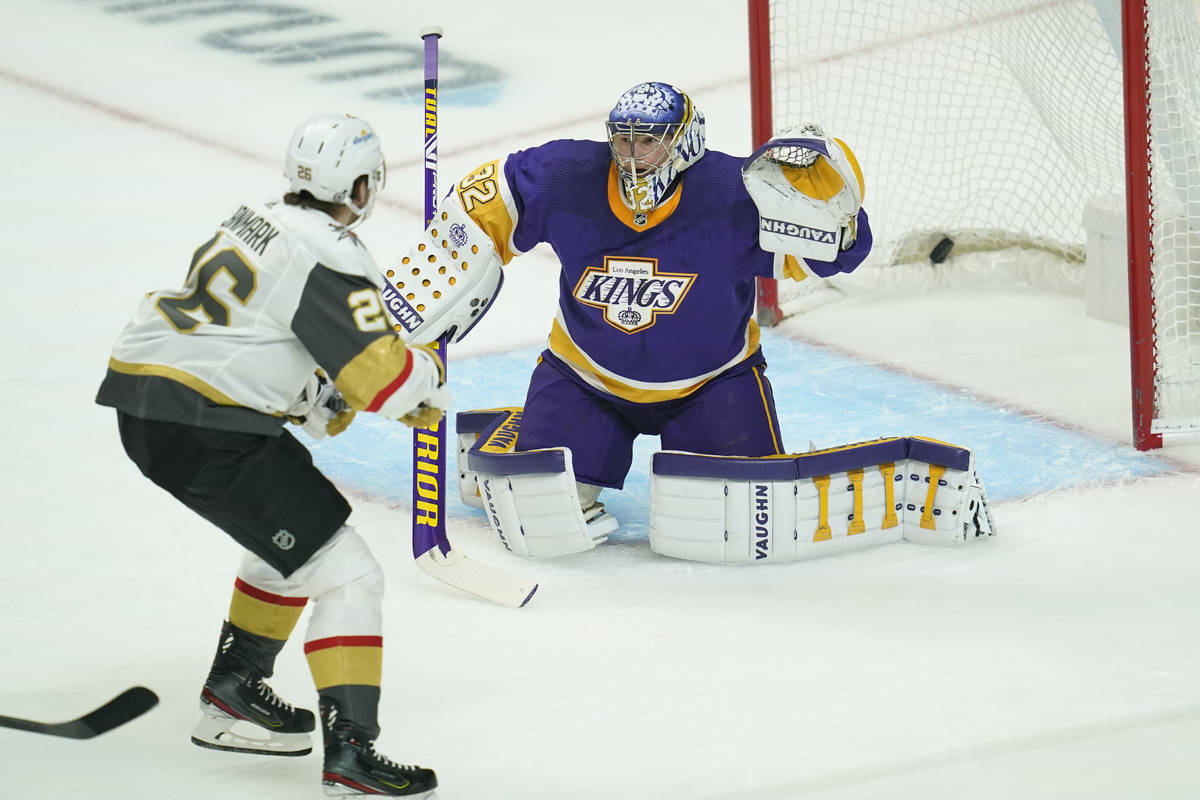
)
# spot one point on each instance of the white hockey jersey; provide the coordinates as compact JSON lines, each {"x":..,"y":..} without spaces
{"x":278,"y":292}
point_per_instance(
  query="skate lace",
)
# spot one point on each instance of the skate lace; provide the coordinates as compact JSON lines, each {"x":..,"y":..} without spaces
{"x":387,"y":762}
{"x":268,"y":694}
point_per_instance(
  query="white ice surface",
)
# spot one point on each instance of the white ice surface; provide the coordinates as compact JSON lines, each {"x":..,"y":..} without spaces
{"x":1058,"y":661}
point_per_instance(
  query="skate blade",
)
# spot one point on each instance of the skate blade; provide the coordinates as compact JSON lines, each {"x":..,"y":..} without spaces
{"x":240,"y":736}
{"x":333,"y":789}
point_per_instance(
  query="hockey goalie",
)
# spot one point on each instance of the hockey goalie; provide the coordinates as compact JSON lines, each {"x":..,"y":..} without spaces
{"x":660,"y":241}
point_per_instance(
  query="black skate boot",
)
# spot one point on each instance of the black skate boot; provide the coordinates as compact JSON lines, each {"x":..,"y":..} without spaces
{"x":353,"y":768}
{"x":241,"y":713}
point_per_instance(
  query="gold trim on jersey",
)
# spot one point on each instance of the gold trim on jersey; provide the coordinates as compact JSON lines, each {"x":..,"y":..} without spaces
{"x":563,"y":346}
{"x":653,"y":217}
{"x":172,"y":373}
{"x":483,"y":198}
{"x":375,"y":368}
{"x":762,"y":393}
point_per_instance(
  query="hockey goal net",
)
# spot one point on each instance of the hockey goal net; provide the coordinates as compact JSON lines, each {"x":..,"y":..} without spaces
{"x":984,"y":128}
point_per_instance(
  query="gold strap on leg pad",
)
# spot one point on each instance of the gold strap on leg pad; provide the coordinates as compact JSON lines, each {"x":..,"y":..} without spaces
{"x":730,"y":509}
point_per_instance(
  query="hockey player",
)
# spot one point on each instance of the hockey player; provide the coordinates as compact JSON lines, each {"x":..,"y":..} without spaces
{"x":660,"y":244}
{"x":280,"y":320}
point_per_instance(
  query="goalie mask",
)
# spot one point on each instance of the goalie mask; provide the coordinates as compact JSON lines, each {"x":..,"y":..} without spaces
{"x":328,"y":153}
{"x":654,"y":133}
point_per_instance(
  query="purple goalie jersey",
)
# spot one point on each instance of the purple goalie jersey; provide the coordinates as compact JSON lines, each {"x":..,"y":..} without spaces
{"x":651,"y":306}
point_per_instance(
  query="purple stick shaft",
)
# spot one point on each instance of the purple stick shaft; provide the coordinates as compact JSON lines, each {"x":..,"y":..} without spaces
{"x":429,"y":444}
{"x":431,"y":81}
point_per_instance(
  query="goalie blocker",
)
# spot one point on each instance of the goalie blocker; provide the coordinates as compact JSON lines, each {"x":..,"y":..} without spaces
{"x":731,"y":510}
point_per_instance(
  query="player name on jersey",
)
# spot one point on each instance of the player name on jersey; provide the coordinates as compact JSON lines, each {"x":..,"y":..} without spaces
{"x":251,"y":228}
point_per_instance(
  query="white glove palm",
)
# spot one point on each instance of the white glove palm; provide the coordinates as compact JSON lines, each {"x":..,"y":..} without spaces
{"x":320,"y":410}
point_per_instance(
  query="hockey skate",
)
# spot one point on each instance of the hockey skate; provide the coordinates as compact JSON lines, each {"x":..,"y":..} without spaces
{"x":354,"y":769}
{"x":242,"y":714}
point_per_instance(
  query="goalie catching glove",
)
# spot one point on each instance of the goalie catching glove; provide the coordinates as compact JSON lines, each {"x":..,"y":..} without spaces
{"x":808,"y":189}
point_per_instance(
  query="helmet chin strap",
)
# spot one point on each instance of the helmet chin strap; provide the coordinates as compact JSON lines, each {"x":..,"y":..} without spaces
{"x":361,"y":212}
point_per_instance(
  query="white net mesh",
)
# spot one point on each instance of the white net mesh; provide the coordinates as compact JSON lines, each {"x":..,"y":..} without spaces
{"x":1174,"y":63}
{"x":992,"y":123}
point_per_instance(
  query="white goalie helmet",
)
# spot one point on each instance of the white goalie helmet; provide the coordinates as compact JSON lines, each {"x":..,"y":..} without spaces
{"x":655,"y":132}
{"x":327,"y":154}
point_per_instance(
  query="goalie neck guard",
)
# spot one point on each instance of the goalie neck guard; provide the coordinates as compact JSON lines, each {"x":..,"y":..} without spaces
{"x":654,"y":133}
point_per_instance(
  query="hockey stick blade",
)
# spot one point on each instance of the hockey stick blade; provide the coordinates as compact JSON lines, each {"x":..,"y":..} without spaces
{"x":479,"y":579}
{"x":129,"y":704}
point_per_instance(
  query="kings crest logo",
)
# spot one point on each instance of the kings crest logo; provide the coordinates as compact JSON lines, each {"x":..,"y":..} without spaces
{"x":632,"y":292}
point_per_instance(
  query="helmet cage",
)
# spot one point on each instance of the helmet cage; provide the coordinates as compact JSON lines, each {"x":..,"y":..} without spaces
{"x":654,"y":133}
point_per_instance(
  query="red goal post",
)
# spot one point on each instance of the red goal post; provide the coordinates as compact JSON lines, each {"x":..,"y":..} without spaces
{"x":988,"y":128}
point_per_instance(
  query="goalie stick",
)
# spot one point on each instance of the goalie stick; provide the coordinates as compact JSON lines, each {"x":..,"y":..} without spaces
{"x":129,"y":704}
{"x":431,"y":547}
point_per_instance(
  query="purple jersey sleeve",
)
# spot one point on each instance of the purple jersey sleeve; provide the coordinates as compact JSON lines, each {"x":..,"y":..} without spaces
{"x":847,"y":260}
{"x":558,"y":180}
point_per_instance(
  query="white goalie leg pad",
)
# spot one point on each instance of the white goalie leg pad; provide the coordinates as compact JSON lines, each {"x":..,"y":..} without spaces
{"x":944,"y":503}
{"x":732,"y":510}
{"x":468,"y":479}
{"x":537,"y":513}
{"x":447,"y":281}
{"x":530,"y":498}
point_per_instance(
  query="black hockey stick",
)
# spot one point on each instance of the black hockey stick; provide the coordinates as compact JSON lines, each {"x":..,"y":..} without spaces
{"x":128,"y":705}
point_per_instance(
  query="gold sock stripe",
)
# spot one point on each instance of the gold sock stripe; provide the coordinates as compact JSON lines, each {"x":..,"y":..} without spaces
{"x":824,"y":532}
{"x":262,"y":613}
{"x":889,"y":495}
{"x":935,"y":475}
{"x":858,"y":524}
{"x":340,"y":660}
